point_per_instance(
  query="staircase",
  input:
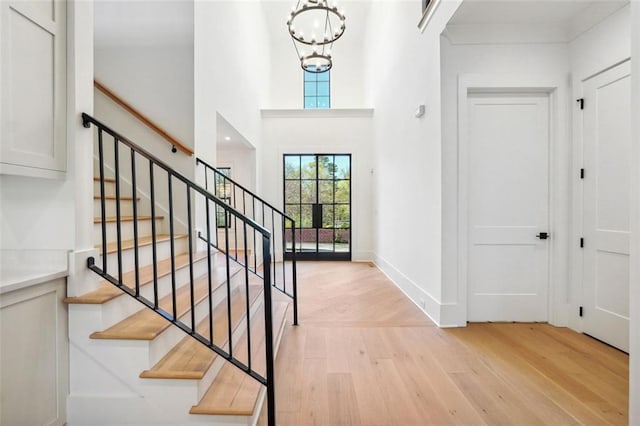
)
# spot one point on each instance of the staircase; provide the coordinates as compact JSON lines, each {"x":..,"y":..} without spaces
{"x":183,"y":327}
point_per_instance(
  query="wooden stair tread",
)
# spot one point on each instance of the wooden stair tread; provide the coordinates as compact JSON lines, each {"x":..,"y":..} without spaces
{"x":190,"y":359}
{"x":233,"y":392}
{"x":107,"y":179}
{"x":108,"y":291}
{"x":147,"y":324}
{"x":113,"y":197}
{"x":124,"y":218}
{"x":142,"y":241}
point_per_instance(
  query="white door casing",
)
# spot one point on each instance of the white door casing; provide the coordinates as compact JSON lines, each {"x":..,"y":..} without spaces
{"x":606,"y":195}
{"x":508,"y":143}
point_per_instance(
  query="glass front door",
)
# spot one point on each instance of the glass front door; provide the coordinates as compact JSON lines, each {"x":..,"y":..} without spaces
{"x":317,"y":195}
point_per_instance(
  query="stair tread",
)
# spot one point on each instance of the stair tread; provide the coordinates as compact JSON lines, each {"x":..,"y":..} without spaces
{"x":147,"y":324}
{"x":107,"y":179}
{"x":124,"y":218}
{"x":142,"y":241}
{"x":190,"y":359}
{"x":233,"y":392}
{"x":108,"y":291}
{"x":113,"y":197}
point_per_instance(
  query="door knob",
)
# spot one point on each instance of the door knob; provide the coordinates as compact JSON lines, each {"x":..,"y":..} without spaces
{"x":543,"y":235}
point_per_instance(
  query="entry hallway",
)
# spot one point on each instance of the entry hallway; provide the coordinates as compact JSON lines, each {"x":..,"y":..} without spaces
{"x":365,"y":355}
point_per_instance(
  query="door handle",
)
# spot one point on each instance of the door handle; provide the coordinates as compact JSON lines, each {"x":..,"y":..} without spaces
{"x":543,"y":235}
{"x":316,"y":212}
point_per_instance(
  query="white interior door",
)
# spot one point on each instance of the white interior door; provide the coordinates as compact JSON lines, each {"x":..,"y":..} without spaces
{"x":607,"y":154}
{"x":508,"y":201}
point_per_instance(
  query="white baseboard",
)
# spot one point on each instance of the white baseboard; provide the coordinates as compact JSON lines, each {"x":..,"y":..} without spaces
{"x":444,"y":315}
{"x":362,"y":256}
{"x":431,"y":306}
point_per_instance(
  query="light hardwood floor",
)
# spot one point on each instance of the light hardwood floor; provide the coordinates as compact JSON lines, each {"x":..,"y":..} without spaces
{"x":363,"y":354}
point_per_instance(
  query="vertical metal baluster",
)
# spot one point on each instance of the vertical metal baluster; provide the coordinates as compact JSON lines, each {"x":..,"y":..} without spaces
{"x":244,"y":212}
{"x":244,"y":202}
{"x":246,"y":286}
{"x":206,"y":200}
{"x":273,"y":242}
{"x":173,"y":253}
{"x":235,"y":225}
{"x":226,"y":244}
{"x":154,"y":249}
{"x":255,"y":246}
{"x":284,"y":250}
{"x":191,"y":282}
{"x":264,"y":225}
{"x":206,"y":178}
{"x":103,"y":208}
{"x":134,"y":191}
{"x":294,"y":272}
{"x":216,"y":178}
{"x":268,"y":333}
{"x":118,"y":213}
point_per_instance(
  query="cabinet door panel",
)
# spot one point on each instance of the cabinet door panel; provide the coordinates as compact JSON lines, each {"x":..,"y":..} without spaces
{"x":33,"y":88}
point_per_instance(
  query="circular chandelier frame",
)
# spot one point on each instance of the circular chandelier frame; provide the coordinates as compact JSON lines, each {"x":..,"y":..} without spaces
{"x":333,"y":35}
{"x":319,"y":60}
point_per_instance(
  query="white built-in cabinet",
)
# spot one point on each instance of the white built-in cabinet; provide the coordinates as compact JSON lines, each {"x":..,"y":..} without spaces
{"x":33,"y":87}
{"x":34,"y":361}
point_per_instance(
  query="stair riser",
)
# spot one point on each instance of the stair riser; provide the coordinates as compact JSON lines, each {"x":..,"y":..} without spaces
{"x":88,"y":318}
{"x":159,"y":346}
{"x":145,"y":254}
{"x":194,"y":387}
{"x":114,"y":311}
{"x":204,"y":383}
{"x":144,"y":229}
{"x":126,"y":208}
{"x":159,"y":409}
{"x":109,"y":188}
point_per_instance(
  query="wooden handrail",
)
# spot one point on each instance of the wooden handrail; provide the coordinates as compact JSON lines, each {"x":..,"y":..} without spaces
{"x":137,"y":114}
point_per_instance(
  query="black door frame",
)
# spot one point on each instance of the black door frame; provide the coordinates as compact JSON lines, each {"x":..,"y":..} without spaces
{"x":317,"y":254}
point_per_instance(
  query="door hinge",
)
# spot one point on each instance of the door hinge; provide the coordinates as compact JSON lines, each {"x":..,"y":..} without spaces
{"x":581,"y":242}
{"x":581,"y":102}
{"x":581,"y":173}
{"x":580,"y":311}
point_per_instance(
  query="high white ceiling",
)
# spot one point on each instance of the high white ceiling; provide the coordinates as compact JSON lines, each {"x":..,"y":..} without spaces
{"x":143,"y":22}
{"x":575,"y":15}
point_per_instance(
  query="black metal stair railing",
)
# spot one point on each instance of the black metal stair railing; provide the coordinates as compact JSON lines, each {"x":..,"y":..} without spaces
{"x":143,"y":173}
{"x":283,"y":271}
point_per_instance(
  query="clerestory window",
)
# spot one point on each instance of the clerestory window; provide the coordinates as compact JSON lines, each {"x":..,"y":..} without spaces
{"x":317,"y":90}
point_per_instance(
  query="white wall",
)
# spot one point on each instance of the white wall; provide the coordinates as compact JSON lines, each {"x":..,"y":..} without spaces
{"x":634,"y":372}
{"x":144,"y":53}
{"x":231,"y":76}
{"x":231,"y":70}
{"x":311,"y":132}
{"x":156,"y":80}
{"x":347,"y":83}
{"x":403,"y":71}
{"x":242,"y":161}
{"x":524,"y":65}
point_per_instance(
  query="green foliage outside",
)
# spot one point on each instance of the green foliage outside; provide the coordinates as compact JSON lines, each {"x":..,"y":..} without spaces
{"x":333,"y":191}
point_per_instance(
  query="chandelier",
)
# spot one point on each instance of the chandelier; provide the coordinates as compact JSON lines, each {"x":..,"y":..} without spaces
{"x":314,"y":26}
